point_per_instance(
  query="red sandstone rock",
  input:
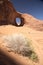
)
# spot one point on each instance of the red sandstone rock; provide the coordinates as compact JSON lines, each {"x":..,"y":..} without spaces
{"x":8,"y":13}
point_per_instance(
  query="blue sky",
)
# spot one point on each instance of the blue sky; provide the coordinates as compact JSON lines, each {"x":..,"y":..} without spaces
{"x":33,"y":7}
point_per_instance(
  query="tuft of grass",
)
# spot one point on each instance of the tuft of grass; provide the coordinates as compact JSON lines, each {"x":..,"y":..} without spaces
{"x":34,"y":57}
{"x":18,"y":43}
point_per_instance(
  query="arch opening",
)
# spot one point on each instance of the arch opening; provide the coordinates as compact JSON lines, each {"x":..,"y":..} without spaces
{"x":19,"y":21}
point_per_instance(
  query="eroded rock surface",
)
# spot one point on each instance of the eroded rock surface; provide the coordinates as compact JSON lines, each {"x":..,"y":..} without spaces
{"x":8,"y":13}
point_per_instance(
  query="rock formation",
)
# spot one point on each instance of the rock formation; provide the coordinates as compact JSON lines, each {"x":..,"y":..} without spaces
{"x":32,"y":29}
{"x":32,"y":22}
{"x":8,"y":14}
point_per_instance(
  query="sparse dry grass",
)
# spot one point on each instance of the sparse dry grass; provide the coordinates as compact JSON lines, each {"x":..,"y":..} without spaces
{"x":18,"y":43}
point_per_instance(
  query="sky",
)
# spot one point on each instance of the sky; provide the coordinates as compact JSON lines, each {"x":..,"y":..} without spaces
{"x":33,"y":7}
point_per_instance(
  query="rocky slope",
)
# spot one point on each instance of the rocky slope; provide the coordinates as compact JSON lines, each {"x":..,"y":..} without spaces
{"x":32,"y":29}
{"x":32,"y":22}
{"x":35,"y":36}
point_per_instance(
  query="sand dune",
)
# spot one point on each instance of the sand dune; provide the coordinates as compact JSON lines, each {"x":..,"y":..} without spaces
{"x":31,"y":28}
{"x":35,"y":36}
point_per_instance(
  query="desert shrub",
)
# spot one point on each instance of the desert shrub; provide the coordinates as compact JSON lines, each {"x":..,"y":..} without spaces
{"x":18,"y":43}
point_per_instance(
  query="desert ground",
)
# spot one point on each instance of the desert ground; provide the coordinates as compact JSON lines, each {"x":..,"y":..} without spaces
{"x":33,"y":30}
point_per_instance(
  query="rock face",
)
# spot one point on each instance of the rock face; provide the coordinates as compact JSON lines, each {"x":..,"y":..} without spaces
{"x":8,"y":13}
{"x":32,"y":22}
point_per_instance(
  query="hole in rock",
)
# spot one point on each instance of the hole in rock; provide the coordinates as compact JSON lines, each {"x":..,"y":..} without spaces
{"x":19,"y":22}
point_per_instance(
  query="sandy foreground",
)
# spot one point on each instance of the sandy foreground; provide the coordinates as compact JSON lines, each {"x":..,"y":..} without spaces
{"x":35,"y":36}
{"x":33,"y":30}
